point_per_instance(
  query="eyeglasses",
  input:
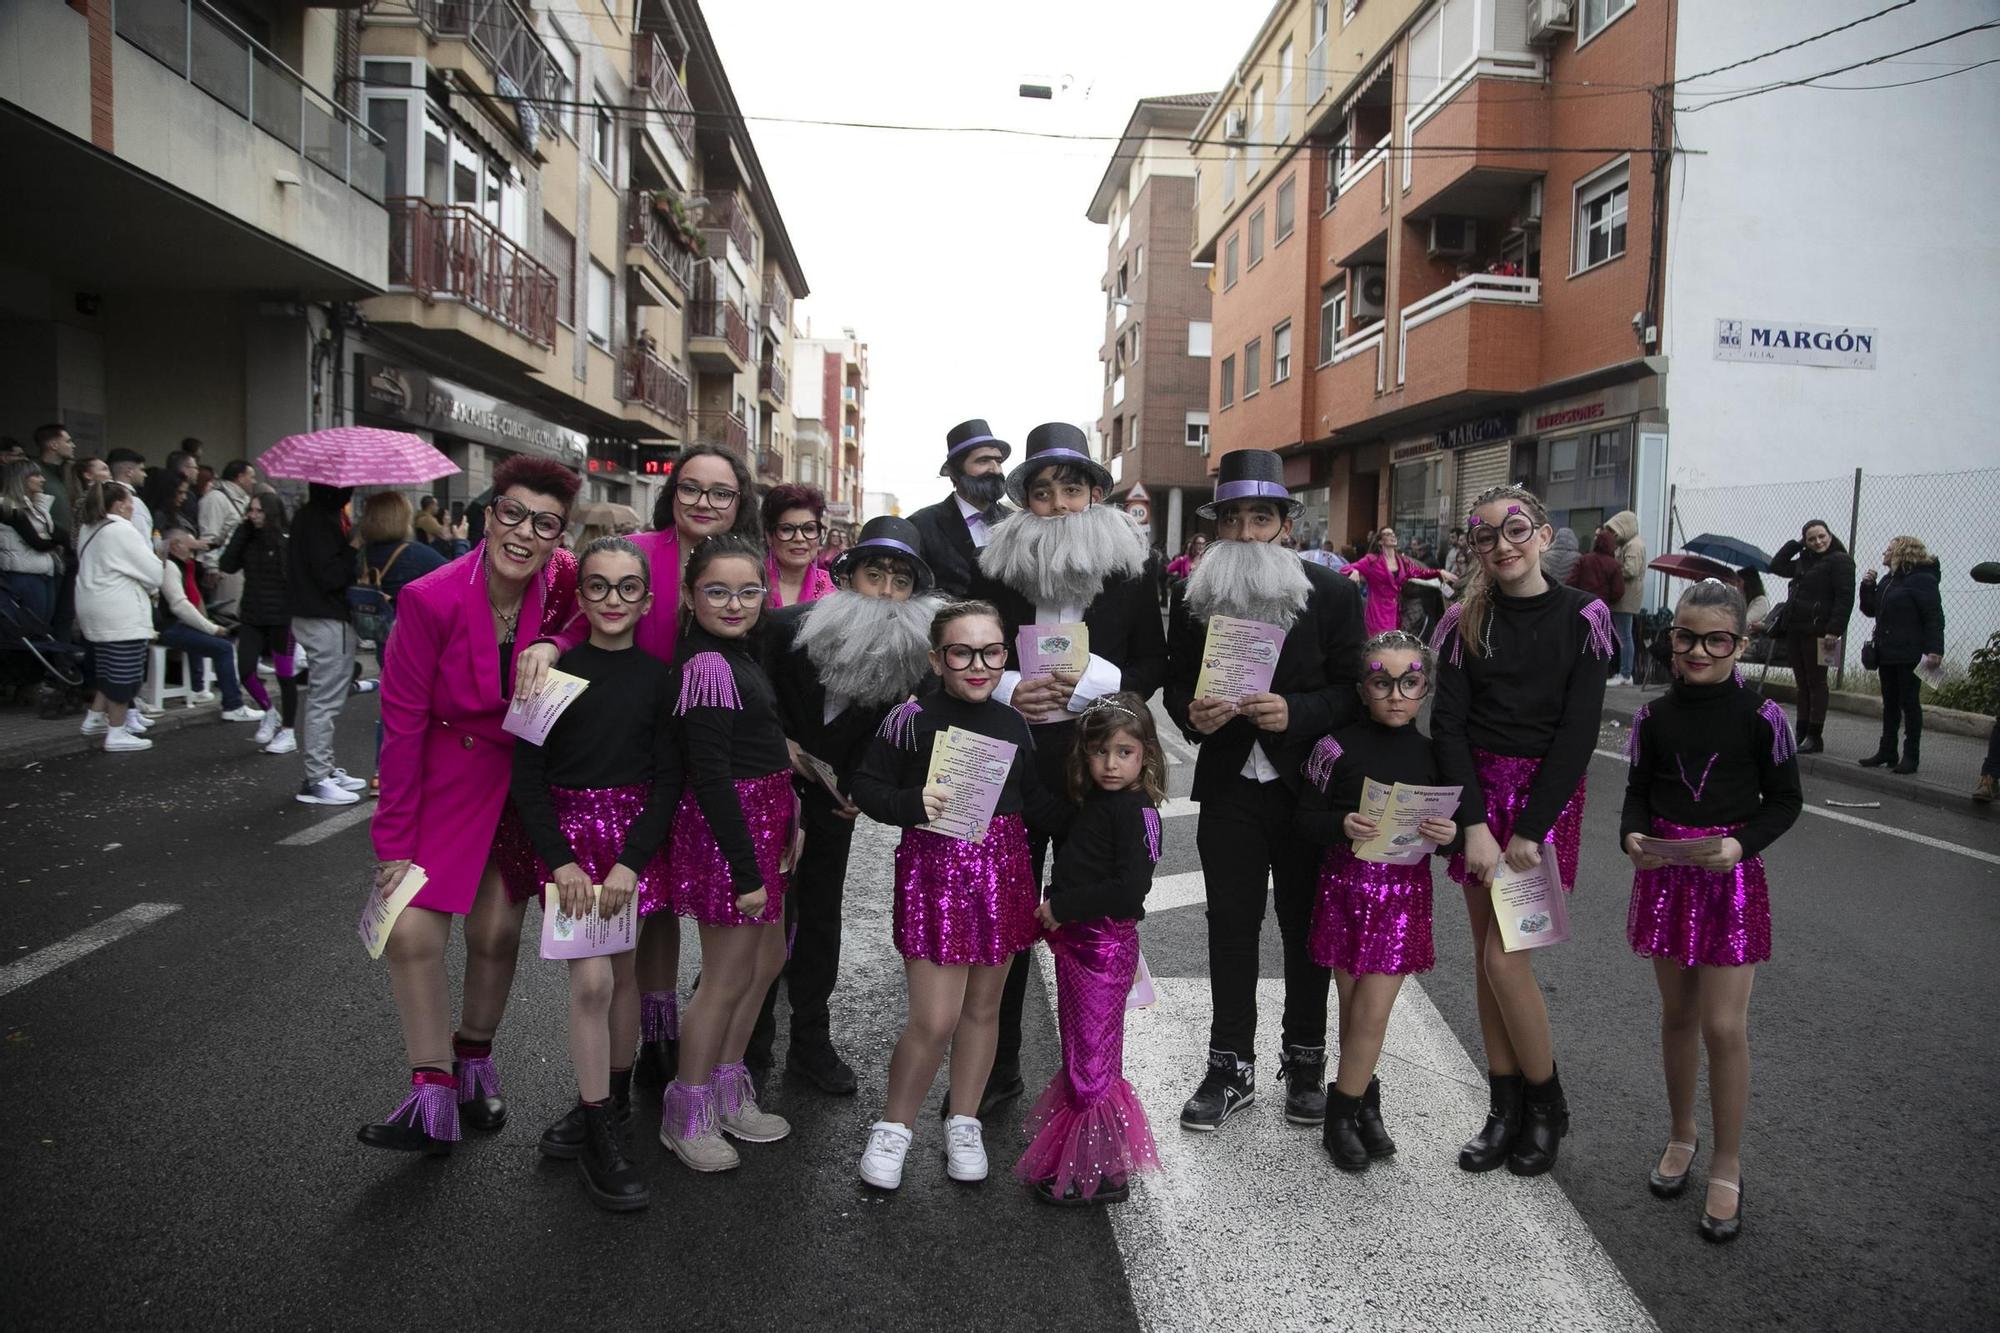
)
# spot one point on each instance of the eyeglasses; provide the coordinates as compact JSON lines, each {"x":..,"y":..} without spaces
{"x":511,"y":513}
{"x":1716,"y":643}
{"x":1517,"y":529}
{"x":960,"y":656}
{"x":791,"y":532}
{"x":718,"y":497}
{"x":1411,"y":685}
{"x":719,"y":595}
{"x":629,"y":589}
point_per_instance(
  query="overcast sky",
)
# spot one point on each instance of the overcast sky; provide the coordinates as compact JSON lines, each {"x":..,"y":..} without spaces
{"x":963,"y":260}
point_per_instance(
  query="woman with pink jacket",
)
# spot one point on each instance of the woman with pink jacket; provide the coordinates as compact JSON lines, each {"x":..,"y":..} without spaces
{"x":453,"y":667}
{"x":1383,"y":573}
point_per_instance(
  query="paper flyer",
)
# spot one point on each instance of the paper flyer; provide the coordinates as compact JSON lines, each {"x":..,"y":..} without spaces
{"x":1142,"y":995}
{"x":1680,"y":851}
{"x":973,"y":770}
{"x":1932,"y":676}
{"x":1829,"y":656}
{"x":1397,"y":841}
{"x":1238,"y":658}
{"x":378,"y":914}
{"x":1043,"y":649}
{"x":531,"y":721}
{"x":589,"y":935}
{"x":1530,"y":906}
{"x":823,"y":771}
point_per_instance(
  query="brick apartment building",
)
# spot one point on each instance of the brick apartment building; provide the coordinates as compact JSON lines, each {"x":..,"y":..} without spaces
{"x":1436,"y":256}
{"x":1155,"y":416}
{"x":831,"y":406}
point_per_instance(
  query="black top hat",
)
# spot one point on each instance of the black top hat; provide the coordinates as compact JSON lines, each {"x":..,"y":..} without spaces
{"x":966,"y":435}
{"x":887,"y":535}
{"x":1252,"y":474}
{"x":1050,"y":443}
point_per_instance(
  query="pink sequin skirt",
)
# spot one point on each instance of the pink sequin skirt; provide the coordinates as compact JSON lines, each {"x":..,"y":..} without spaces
{"x":966,"y":904}
{"x":698,"y":883}
{"x":594,"y":821}
{"x":1697,"y":917}
{"x":1507,"y":778}
{"x":1088,"y":1128}
{"x":1370,"y":917}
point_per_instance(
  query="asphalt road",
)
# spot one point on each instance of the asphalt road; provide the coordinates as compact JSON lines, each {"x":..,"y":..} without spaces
{"x":176,"y":1130}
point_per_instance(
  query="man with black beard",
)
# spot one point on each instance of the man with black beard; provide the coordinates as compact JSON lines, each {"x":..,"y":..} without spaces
{"x":957,"y":528}
{"x":1066,"y":558}
{"x":837,"y":665}
{"x":1247,"y":776}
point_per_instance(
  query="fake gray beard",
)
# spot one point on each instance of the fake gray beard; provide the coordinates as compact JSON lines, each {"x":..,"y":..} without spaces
{"x":1066,"y":560}
{"x":869,"y":649}
{"x":1250,"y":581}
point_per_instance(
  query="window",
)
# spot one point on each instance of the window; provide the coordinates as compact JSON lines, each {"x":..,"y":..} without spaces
{"x":1281,"y":353}
{"x":597,"y":318}
{"x":1201,"y":337}
{"x":1596,"y":14}
{"x":1319,"y":21}
{"x":1332,"y":317}
{"x":1229,"y":263}
{"x":1600,"y":216}
{"x":1336,"y":166}
{"x":1288,"y":202}
{"x":1348,"y":9}
{"x":1197,"y":430}
{"x":1251,"y":149}
{"x":1253,"y":366}
{"x":1604,"y":452}
{"x":1282,"y":111}
{"x":1228,"y":380}
{"x":1442,"y":45}
{"x":559,"y":253}
{"x":1229,"y":176}
{"x":1139,"y":262}
{"x":603,"y":142}
{"x":1256,"y":238}
{"x":1562,"y":460}
{"x":566,"y":73}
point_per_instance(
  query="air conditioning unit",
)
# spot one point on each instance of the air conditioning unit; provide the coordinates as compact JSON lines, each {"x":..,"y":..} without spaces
{"x":1235,"y":127}
{"x":1371,"y":292}
{"x":1531,"y":206}
{"x":1453,"y":236}
{"x":1546,"y":18}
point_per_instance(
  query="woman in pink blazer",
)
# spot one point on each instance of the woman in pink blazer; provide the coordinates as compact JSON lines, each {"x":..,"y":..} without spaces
{"x":1383,"y":572}
{"x":446,"y":764}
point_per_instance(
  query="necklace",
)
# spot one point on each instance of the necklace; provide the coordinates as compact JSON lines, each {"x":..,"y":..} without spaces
{"x":507,"y":619}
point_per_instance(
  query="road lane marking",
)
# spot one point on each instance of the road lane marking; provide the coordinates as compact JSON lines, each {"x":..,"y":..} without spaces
{"x":1177,"y":806}
{"x":86,"y":941}
{"x":1842,"y":817}
{"x":326,"y":828}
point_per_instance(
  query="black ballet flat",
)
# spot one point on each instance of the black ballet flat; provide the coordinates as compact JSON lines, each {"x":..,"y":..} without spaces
{"x":1722,"y":1230}
{"x":1112,"y":1189}
{"x":1670,"y":1187}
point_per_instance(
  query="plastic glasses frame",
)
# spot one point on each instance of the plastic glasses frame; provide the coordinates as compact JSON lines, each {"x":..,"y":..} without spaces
{"x":630,"y":589}
{"x":718,"y":497}
{"x":549,"y":530}
{"x":1381,"y":687}
{"x":719,"y":595}
{"x":788,"y":532}
{"x":1683,"y":641}
{"x":1487,"y":536}
{"x":960,"y":656}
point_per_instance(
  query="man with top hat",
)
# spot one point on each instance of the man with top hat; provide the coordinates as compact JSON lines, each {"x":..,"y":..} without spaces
{"x":957,"y":528}
{"x":837,"y":665}
{"x":1247,"y":776}
{"x":1065,"y":558}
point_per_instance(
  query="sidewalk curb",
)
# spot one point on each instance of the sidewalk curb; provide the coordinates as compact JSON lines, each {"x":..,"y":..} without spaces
{"x":72,"y":741}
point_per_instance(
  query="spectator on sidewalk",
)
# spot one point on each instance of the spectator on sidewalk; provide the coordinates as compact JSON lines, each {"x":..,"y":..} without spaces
{"x":83,"y":474}
{"x":430,"y":525}
{"x":256,"y":553}
{"x":320,"y":568}
{"x":1559,"y":561}
{"x":1631,"y":549}
{"x":221,"y":511}
{"x":391,"y":555}
{"x":1909,"y":629}
{"x":32,"y":542}
{"x":180,"y":619}
{"x":1817,"y":607}
{"x":117,"y":577}
{"x":161,"y":501}
{"x":55,"y":449}
{"x":185,"y":464}
{"x":1598,"y":572}
{"x":128,"y":469}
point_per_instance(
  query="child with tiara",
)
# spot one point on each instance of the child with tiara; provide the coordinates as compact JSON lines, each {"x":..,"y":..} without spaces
{"x":1088,"y":1131}
{"x":1372,"y":924}
{"x":1710,"y":760}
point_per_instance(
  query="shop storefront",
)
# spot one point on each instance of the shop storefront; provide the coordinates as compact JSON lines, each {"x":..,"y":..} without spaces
{"x":1433,"y":477}
{"x":474,"y":430}
{"x":1592,"y":453}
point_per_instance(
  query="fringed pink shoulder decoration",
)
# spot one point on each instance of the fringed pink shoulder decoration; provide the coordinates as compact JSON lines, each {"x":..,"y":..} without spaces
{"x":1319,"y":764}
{"x":1783,"y":744}
{"x":707,"y":682}
{"x":1152,"y":818}
{"x":1602,"y":642}
{"x":1447,"y":633}
{"x":1632,"y":736}
{"x":899,"y":728}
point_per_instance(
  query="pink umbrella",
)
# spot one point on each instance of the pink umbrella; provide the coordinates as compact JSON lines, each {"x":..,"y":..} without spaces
{"x":356,"y":456}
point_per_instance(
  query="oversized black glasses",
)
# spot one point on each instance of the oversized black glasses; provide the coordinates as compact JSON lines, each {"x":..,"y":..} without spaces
{"x":718,"y":497}
{"x":511,"y":513}
{"x":1716,"y":643}
{"x":791,"y":532}
{"x":959,"y":656}
{"x":1411,"y":685}
{"x":596,"y":588}
{"x":1516,"y":528}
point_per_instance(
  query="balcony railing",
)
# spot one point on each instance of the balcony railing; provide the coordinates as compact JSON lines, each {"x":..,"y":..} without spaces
{"x":505,"y":38}
{"x":1474,"y":287}
{"x":725,"y":429}
{"x":727,"y":215}
{"x":657,"y":75}
{"x":777,"y":305}
{"x":644,"y":226}
{"x":770,"y":464}
{"x":1357,"y":343}
{"x":449,"y":252}
{"x":205,"y":48}
{"x":771,"y":380}
{"x":1366,"y":163}
{"x":646,"y":379}
{"x":720,"y":319}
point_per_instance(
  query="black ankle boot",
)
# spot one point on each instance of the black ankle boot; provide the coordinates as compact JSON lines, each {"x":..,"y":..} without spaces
{"x":1302,"y":1069}
{"x":1544,"y":1122}
{"x":659,"y":1060}
{"x":564,"y":1140}
{"x":1885,"y":754}
{"x":609,"y":1180}
{"x":1812,"y":742}
{"x":1373,"y":1134}
{"x":480,"y":1105}
{"x":1912,"y":749}
{"x":1489,"y":1147}
{"x":1341,"y":1134}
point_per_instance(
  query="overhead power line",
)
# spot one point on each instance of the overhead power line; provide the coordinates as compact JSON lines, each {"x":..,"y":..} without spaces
{"x":1812,"y":79}
{"x":1793,"y":46}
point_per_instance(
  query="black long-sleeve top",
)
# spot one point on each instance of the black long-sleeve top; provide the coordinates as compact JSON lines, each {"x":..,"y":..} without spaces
{"x":321,"y":563}
{"x":1534,"y":688}
{"x":1104,"y":866}
{"x":1821,"y":597}
{"x":259,"y":555}
{"x":617,"y":733}
{"x":1709,"y":755}
{"x":729,"y":731}
{"x":889,"y":783}
{"x":1340,"y":765}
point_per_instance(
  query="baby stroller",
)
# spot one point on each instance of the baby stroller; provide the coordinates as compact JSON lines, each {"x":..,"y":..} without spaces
{"x":27,"y":638}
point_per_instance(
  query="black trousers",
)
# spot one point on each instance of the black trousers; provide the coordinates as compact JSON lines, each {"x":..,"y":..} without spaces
{"x":812,"y":909}
{"x":1802,"y":651}
{"x":1245,"y":833}
{"x":1902,"y":701}
{"x":1052,"y":748}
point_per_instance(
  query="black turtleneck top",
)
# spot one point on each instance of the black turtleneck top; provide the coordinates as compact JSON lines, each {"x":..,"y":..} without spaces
{"x":1338,"y":767}
{"x":1709,"y":755}
{"x":1104,"y":866}
{"x":889,"y":783}
{"x":729,"y":731}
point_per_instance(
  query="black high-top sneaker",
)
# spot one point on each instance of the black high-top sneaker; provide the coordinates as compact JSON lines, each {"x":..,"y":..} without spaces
{"x":1229,"y":1085}
{"x":1302,"y":1069}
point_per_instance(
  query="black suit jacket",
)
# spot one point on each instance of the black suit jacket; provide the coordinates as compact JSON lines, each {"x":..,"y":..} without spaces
{"x":1317,"y":670}
{"x":948,"y":547}
{"x":802,"y":700}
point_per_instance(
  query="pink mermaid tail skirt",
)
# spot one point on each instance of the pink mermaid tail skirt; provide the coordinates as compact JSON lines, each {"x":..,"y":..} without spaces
{"x":1698,"y":917}
{"x":966,"y":904}
{"x":1088,"y":1129}
{"x":698,"y":883}
{"x":1507,"y":778}
{"x":1372,"y":918}
{"x":594,"y":821}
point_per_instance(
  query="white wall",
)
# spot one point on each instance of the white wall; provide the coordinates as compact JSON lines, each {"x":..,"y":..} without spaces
{"x":1858,"y":208}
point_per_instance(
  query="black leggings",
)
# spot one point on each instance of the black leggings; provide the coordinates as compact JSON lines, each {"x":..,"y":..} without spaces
{"x":275,"y":641}
{"x":1803,"y":652}
{"x":1901,"y":698}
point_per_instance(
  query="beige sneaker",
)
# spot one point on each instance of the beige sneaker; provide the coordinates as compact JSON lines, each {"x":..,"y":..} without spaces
{"x":736,"y":1108}
{"x":688,"y":1129}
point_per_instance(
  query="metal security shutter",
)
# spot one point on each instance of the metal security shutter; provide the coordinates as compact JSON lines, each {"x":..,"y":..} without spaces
{"x":1478,"y":470}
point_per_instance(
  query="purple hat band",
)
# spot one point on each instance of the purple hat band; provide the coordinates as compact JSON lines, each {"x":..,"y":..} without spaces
{"x":1250,"y":490}
{"x":1047,"y":455}
{"x":963,"y":445}
{"x":886,"y":541}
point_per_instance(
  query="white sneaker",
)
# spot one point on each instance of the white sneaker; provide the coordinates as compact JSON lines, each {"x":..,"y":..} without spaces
{"x":118,"y":740}
{"x":150,"y":710}
{"x":136,"y":723}
{"x":267,"y":728}
{"x":964,"y":1149}
{"x":882,"y":1161}
{"x":285,"y":742}
{"x":326,"y":792}
{"x":368,"y":686}
{"x":96,"y":723}
{"x":243,"y":713}
{"x":200,"y":697}
{"x":342,"y":778}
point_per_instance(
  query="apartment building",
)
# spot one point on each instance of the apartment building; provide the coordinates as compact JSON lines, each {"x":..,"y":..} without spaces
{"x":830,"y":403}
{"x":1154,"y":420}
{"x":1438,"y":256}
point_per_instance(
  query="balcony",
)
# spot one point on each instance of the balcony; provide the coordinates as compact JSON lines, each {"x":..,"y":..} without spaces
{"x":850,"y":397}
{"x":651,"y":383}
{"x":1480,"y":335}
{"x":654,"y":71}
{"x":771,"y":383}
{"x":777,"y":310}
{"x":1505,"y":121}
{"x":718,"y":337}
{"x":770,"y":465}
{"x":661,"y":242}
{"x":726,"y":430}
{"x":503,"y":36}
{"x":1352,"y":379}
{"x":448,"y":255}
{"x":728,"y":218}
{"x":1358,"y":231}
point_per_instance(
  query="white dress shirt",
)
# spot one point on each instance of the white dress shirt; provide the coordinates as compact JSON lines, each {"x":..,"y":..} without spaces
{"x":975,"y":522}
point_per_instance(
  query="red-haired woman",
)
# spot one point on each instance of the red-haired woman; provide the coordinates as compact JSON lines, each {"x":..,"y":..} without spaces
{"x":794,"y":524}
